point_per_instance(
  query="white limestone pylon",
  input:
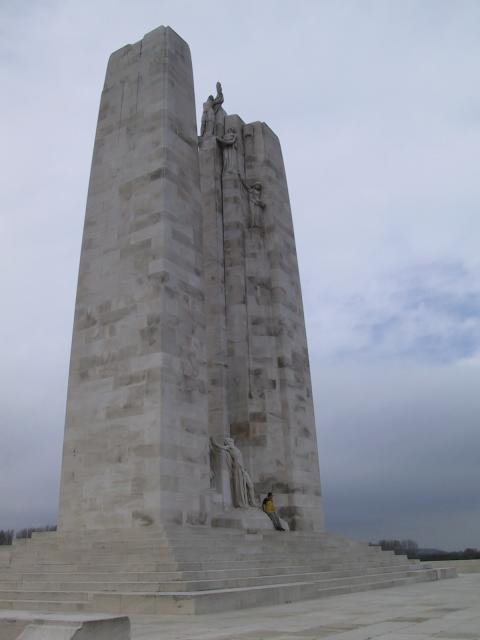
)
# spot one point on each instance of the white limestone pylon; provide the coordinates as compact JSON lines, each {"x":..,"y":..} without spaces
{"x":257,"y":356}
{"x":136,"y":442}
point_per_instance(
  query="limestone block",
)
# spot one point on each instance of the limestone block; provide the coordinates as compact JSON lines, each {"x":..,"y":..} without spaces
{"x":245,"y":519}
{"x":23,"y":625}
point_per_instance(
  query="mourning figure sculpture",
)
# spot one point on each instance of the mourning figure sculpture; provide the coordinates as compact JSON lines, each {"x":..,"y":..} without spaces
{"x":218,"y":100}
{"x":243,"y":492}
{"x":229,"y":147}
{"x":256,"y":205}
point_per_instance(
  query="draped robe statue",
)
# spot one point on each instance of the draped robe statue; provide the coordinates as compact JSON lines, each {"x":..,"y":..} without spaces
{"x":243,"y":492}
{"x":229,"y":147}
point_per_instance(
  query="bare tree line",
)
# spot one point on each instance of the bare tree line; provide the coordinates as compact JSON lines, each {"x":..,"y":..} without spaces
{"x":8,"y":535}
{"x":411,"y":549}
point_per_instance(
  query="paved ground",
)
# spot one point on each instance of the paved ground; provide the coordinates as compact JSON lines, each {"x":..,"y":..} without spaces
{"x":447,"y":609}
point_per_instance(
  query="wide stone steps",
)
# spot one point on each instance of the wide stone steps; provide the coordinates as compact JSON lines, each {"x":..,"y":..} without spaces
{"x":180,"y":568}
{"x":205,"y":551}
{"x":225,"y":583}
{"x":227,"y":561}
{"x":179,"y":559}
{"x":80,"y":591}
{"x":46,"y":606}
{"x":206,"y":546}
{"x":211,"y":600}
{"x":214,"y":537}
{"x":191,"y":571}
{"x":44,"y":594}
{"x":141,"y":546}
{"x":155,"y":577}
{"x":108,"y":566}
{"x":195,"y":584}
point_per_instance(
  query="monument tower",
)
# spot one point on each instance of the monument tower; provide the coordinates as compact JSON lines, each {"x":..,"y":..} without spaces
{"x":189,"y":393}
{"x":136,"y":433}
{"x":189,"y":323}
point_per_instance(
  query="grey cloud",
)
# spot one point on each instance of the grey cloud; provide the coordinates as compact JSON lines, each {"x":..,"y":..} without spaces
{"x":423,"y":312}
{"x":399,"y":450}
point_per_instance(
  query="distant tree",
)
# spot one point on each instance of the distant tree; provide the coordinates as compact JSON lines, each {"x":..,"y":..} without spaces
{"x":407,"y":548}
{"x":6,"y":536}
{"x":411,"y":550}
{"x":27,"y":533}
{"x":389,"y":545}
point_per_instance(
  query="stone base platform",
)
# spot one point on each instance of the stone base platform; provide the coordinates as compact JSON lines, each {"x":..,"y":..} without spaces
{"x":25,"y":625}
{"x":191,"y":570}
{"x":441,"y":610}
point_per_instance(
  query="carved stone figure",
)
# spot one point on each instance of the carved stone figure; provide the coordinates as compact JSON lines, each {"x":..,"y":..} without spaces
{"x":212,"y":466}
{"x":208,"y":117}
{"x":256,"y":205}
{"x":218,"y":100}
{"x":219,"y":112}
{"x":243,"y":492}
{"x":229,"y":146}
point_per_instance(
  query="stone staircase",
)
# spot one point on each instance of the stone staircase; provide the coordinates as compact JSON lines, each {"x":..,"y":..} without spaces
{"x":192,"y":570}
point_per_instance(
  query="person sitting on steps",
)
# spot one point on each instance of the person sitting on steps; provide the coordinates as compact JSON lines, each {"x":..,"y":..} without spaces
{"x":269,"y":508}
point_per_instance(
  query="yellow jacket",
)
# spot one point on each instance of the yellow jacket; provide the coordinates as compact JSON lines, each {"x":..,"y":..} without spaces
{"x":268,"y":505}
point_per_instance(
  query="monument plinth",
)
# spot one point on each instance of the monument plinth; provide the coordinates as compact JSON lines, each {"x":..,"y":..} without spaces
{"x":189,"y":395}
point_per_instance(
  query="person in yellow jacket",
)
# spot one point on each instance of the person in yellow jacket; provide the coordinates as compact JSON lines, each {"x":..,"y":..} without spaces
{"x":269,"y":508}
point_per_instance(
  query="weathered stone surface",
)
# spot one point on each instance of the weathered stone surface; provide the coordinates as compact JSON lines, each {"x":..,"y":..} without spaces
{"x":188,"y":320}
{"x":136,"y":441}
{"x":24,"y":625}
{"x":257,"y":356}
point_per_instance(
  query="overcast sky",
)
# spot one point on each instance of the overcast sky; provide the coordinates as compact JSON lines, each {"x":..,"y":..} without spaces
{"x":377,"y":106}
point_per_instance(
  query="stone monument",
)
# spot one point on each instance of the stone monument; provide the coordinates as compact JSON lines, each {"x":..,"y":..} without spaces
{"x":188,"y":320}
{"x":189,"y":395}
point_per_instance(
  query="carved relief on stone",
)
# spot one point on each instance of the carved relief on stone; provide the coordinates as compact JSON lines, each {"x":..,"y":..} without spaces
{"x":243,"y":492}
{"x":218,"y":100}
{"x":208,"y":117}
{"x":219,"y":112}
{"x":229,"y":148}
{"x":213,"y":466}
{"x":257,"y":205}
{"x":213,"y":115}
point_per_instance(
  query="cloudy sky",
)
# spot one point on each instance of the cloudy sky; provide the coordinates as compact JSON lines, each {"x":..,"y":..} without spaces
{"x":377,"y":105}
